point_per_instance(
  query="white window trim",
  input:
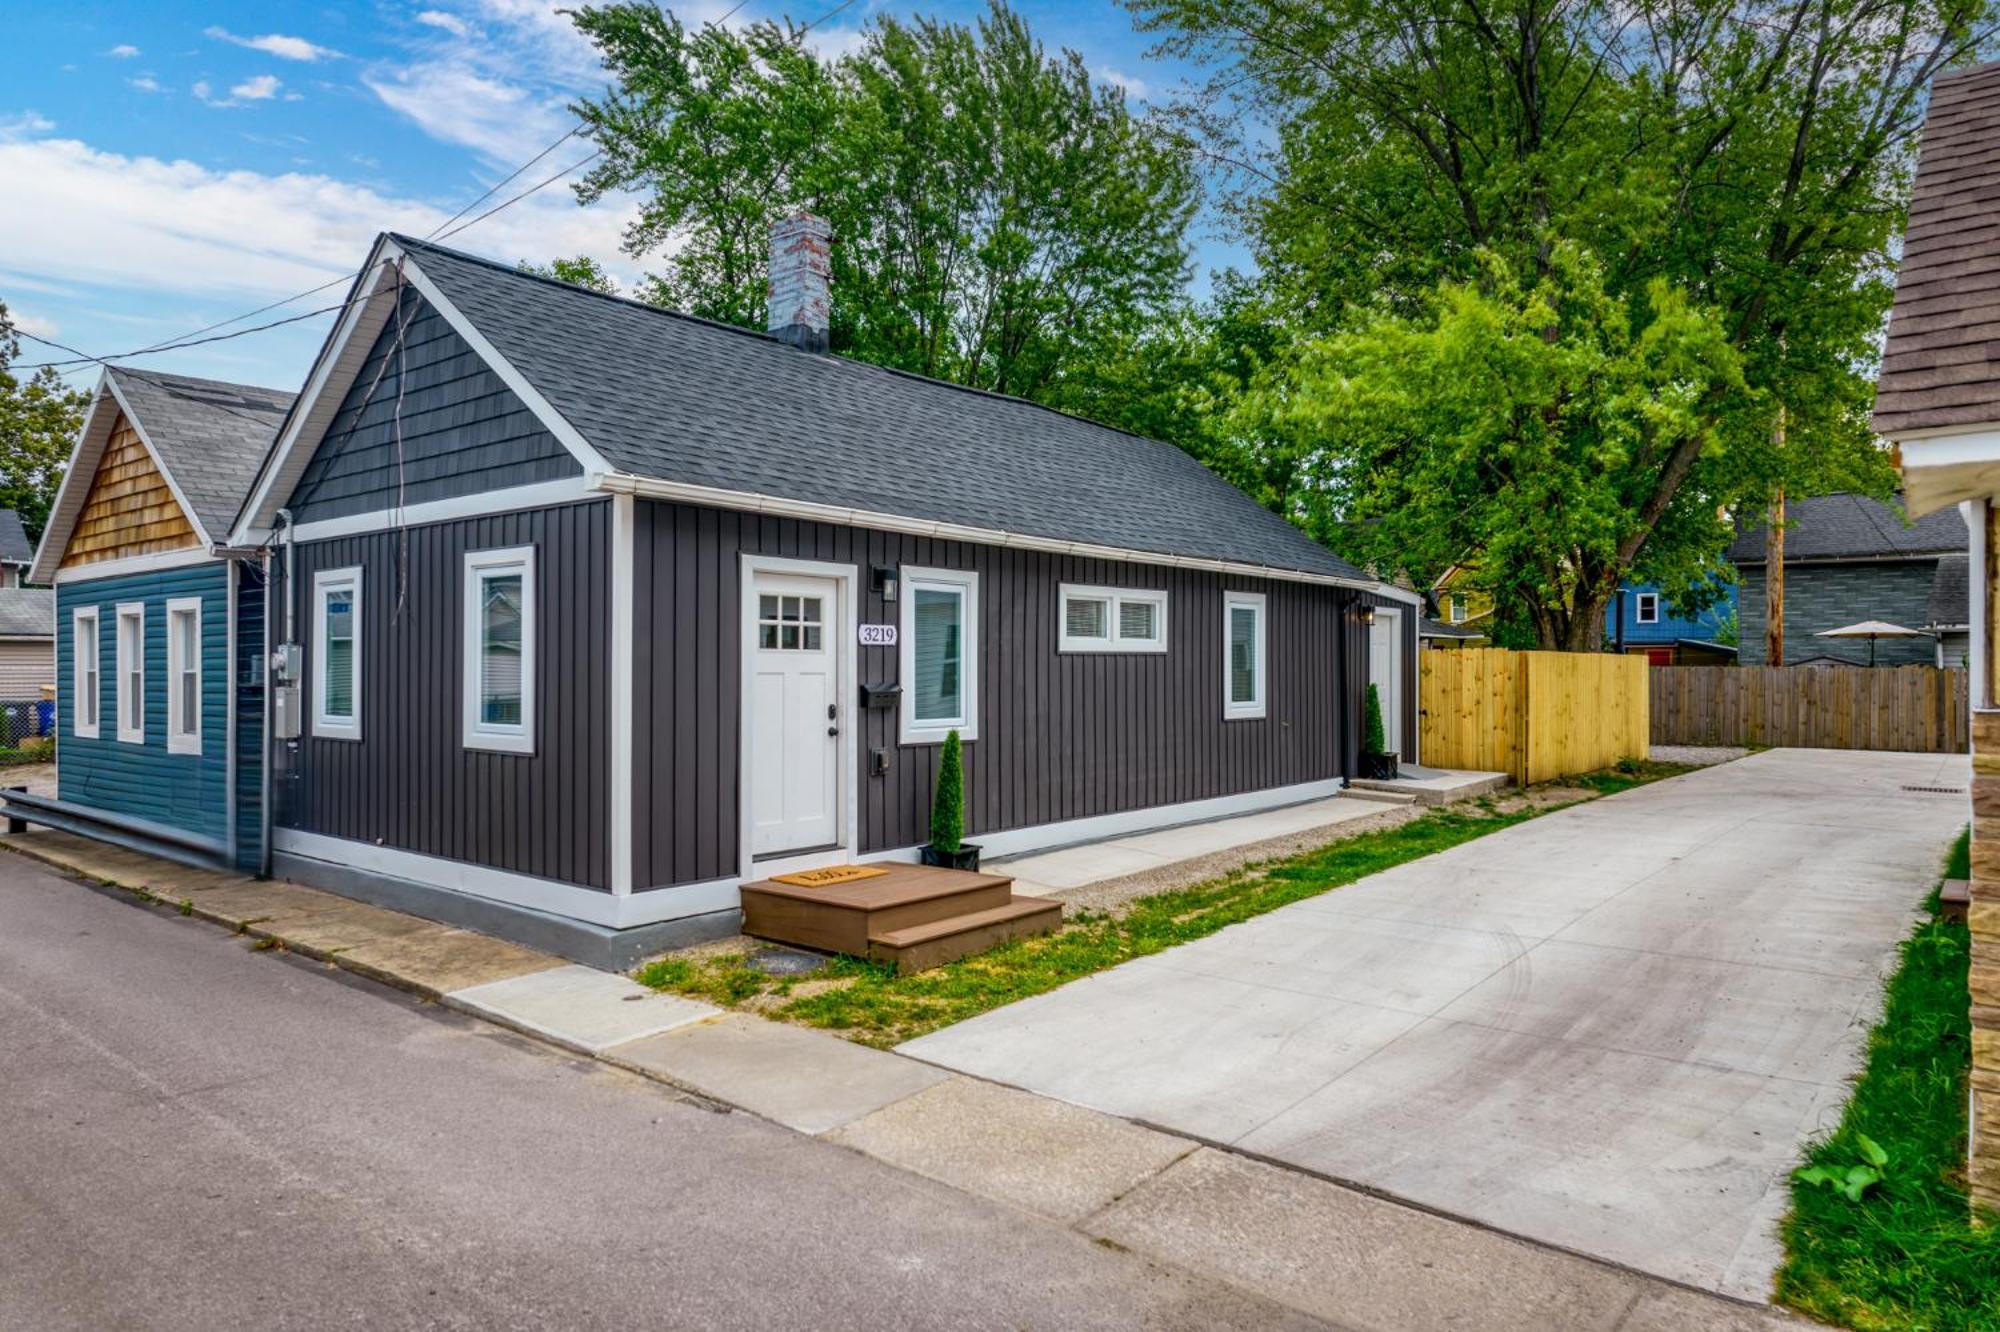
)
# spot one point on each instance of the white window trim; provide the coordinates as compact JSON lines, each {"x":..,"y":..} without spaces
{"x":1457,"y":609}
{"x":135,"y":611}
{"x":323,"y":726}
{"x":1642,"y":604}
{"x":177,"y":741}
{"x":1112,"y":640}
{"x":505,"y":738}
{"x":79,"y":689}
{"x":1231,"y":710}
{"x":965,"y":582}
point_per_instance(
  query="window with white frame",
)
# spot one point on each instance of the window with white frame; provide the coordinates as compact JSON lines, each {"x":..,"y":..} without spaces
{"x":83,"y":649}
{"x":184,"y":675}
{"x":1244,"y":670}
{"x":131,"y":690}
{"x":1646,"y":608}
{"x":939,"y":644}
{"x":336,"y":649}
{"x":1457,"y":609}
{"x":1112,"y":619}
{"x":499,"y":686}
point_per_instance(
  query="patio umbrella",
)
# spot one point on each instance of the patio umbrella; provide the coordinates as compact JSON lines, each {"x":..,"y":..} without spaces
{"x":1871,"y":630}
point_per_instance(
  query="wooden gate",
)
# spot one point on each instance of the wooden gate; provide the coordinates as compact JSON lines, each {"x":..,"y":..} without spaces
{"x":1920,"y":708}
{"x":1536,"y":715}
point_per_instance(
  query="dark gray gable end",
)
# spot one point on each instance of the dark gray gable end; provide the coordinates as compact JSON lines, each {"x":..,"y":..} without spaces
{"x":425,"y":419}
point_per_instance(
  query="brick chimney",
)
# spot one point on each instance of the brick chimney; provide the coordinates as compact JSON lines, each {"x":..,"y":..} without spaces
{"x":801,"y":300}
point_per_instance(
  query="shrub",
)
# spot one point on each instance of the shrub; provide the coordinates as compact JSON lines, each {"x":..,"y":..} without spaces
{"x":1374,"y":740}
{"x":948,"y":806}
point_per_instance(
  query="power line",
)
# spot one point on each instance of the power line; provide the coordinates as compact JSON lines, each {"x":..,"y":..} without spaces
{"x":595,"y":153}
{"x":574,"y":130}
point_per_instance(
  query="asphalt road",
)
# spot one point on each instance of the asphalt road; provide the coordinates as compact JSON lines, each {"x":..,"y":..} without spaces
{"x":197,"y":1135}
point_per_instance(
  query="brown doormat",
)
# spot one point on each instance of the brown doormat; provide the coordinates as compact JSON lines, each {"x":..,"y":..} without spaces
{"x":828,"y":877}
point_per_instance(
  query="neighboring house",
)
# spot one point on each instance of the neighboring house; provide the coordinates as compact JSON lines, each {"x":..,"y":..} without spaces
{"x":1466,"y":609}
{"x":1938,"y":398}
{"x":1848,"y":558}
{"x":160,"y":634}
{"x":16,"y":551}
{"x":1442,"y":634}
{"x":1950,"y":610}
{"x":1642,"y":619}
{"x":27,"y":659}
{"x":602,"y":610}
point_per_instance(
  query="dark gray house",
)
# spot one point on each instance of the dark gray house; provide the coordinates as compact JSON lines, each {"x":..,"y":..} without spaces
{"x":586,"y":612}
{"x":1849,"y":558}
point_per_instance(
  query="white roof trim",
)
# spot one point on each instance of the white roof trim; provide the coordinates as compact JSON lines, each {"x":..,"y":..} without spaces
{"x":623,"y":483}
{"x":339,"y":364}
{"x":84,"y":460}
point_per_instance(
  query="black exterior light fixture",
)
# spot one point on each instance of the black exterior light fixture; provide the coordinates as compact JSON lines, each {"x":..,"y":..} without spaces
{"x":884,"y":582}
{"x":1368,"y":616}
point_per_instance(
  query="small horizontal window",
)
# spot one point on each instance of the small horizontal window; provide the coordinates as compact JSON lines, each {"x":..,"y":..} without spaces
{"x":1112,"y":619}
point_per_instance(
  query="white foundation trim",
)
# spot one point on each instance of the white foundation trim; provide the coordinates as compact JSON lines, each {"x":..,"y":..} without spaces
{"x":1046,"y":836}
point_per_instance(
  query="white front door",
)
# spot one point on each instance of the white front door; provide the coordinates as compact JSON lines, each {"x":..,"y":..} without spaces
{"x":794,"y":715}
{"x":1385,"y":672}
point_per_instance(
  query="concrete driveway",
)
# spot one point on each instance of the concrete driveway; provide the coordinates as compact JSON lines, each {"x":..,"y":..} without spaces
{"x":1610,"y":1029}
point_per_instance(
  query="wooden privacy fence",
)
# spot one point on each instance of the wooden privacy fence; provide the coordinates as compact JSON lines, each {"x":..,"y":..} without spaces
{"x":1535,"y":715}
{"x":1919,"y":708}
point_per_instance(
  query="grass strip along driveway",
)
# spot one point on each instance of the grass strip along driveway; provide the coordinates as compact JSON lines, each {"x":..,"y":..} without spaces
{"x":868,"y":1002}
{"x":1894,"y":1246}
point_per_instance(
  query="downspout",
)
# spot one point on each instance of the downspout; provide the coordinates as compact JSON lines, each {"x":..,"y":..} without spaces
{"x":231,"y":584}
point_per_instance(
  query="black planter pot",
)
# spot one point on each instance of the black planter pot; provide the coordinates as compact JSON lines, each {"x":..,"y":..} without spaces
{"x":1379,"y":767}
{"x":965,"y":858}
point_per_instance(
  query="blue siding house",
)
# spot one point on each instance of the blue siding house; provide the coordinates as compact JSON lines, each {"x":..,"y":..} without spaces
{"x":160,"y":628}
{"x":1642,"y":619}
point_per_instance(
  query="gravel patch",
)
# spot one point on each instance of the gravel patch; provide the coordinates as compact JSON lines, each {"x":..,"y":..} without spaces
{"x":1701,"y":756}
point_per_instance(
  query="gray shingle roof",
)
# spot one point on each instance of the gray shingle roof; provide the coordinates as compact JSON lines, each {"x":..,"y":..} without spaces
{"x":27,"y":612}
{"x":668,"y":396}
{"x":1853,"y":527}
{"x":1941,"y":365}
{"x":210,"y":435}
{"x":1951,"y":592}
{"x":15,"y":547}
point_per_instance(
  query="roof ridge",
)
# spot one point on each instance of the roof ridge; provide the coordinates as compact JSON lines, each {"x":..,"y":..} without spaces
{"x":156,"y":376}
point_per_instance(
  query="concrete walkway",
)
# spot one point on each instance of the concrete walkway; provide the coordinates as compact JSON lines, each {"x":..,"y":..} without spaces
{"x":1609,"y":1029}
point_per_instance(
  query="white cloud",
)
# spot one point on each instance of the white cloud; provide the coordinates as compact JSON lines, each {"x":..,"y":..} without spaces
{"x":146,"y":83}
{"x":456,"y":103}
{"x":21,"y":124}
{"x":259,"y":89}
{"x":140,"y":225}
{"x":123,"y":51}
{"x":1133,"y":85}
{"x":451,"y":23}
{"x":202,"y":90}
{"x":276,"y":44}
{"x":29,"y":322}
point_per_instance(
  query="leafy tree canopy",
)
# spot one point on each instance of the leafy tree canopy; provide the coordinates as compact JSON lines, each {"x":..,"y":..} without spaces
{"x":1555,"y":272}
{"x":998,"y":219}
{"x":39,"y":420}
{"x":582,"y":271}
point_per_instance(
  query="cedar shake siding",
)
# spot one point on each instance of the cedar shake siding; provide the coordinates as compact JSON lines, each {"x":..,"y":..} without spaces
{"x":409,"y":782}
{"x":438,"y":424}
{"x":1061,"y":735}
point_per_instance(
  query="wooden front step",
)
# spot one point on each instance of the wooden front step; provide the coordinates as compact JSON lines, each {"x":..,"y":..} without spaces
{"x":917,"y":947}
{"x":842,"y":918}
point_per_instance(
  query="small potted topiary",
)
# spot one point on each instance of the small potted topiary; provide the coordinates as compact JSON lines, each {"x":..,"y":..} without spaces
{"x":948,"y":847}
{"x":1377,"y":763}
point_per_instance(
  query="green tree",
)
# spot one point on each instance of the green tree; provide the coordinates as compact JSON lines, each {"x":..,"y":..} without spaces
{"x":1723,"y":181}
{"x":999,"y":220}
{"x":39,"y":420}
{"x":582,"y":271}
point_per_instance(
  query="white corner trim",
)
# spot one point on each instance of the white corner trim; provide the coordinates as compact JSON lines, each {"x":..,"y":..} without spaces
{"x":910,"y":729}
{"x":1232,"y":710}
{"x":623,"y":667}
{"x":513,"y":499}
{"x":751,"y":502}
{"x":132,"y":564}
{"x":176,"y":742}
{"x":476,"y":732}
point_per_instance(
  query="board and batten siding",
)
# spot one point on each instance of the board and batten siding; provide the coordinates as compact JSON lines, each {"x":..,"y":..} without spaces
{"x":249,"y":686}
{"x":409,"y":782}
{"x":186,"y":791}
{"x":1061,"y":736}
{"x":427,"y":419}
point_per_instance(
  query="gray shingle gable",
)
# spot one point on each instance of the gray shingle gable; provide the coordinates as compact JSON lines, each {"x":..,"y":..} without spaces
{"x":1849,"y":527}
{"x":14,"y":545}
{"x":27,"y":612}
{"x":211,"y":435}
{"x":668,"y":396}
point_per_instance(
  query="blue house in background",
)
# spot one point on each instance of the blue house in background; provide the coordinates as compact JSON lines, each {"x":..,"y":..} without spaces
{"x":1641,"y":619}
{"x":159,"y":627}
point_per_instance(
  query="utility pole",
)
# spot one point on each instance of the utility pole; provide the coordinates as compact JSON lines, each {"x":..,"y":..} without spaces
{"x":1774,"y":563}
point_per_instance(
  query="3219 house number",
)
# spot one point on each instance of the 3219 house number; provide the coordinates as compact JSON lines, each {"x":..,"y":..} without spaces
{"x":878,"y":635}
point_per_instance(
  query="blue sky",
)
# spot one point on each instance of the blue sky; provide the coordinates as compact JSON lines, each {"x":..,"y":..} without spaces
{"x":168,"y":165}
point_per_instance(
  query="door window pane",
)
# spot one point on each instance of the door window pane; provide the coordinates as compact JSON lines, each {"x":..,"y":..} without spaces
{"x":940,"y":615}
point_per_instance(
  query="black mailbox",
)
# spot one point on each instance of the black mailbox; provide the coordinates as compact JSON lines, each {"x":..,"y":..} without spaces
{"x":880,"y":695}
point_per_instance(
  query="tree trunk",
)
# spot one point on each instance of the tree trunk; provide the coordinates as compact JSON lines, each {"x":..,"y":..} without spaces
{"x":1774,"y":563}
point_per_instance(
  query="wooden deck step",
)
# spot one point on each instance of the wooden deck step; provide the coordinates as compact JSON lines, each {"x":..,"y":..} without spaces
{"x":842,"y":918}
{"x":916,"y":947}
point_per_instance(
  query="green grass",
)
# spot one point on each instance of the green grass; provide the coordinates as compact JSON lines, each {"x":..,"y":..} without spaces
{"x":870,"y":1003}
{"x":1906,"y":1255}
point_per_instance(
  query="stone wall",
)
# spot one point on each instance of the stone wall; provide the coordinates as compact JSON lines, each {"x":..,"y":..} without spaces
{"x":1984,"y":1166}
{"x":1827,"y":596}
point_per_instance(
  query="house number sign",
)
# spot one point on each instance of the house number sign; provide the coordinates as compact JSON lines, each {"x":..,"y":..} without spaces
{"x":878,"y":635}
